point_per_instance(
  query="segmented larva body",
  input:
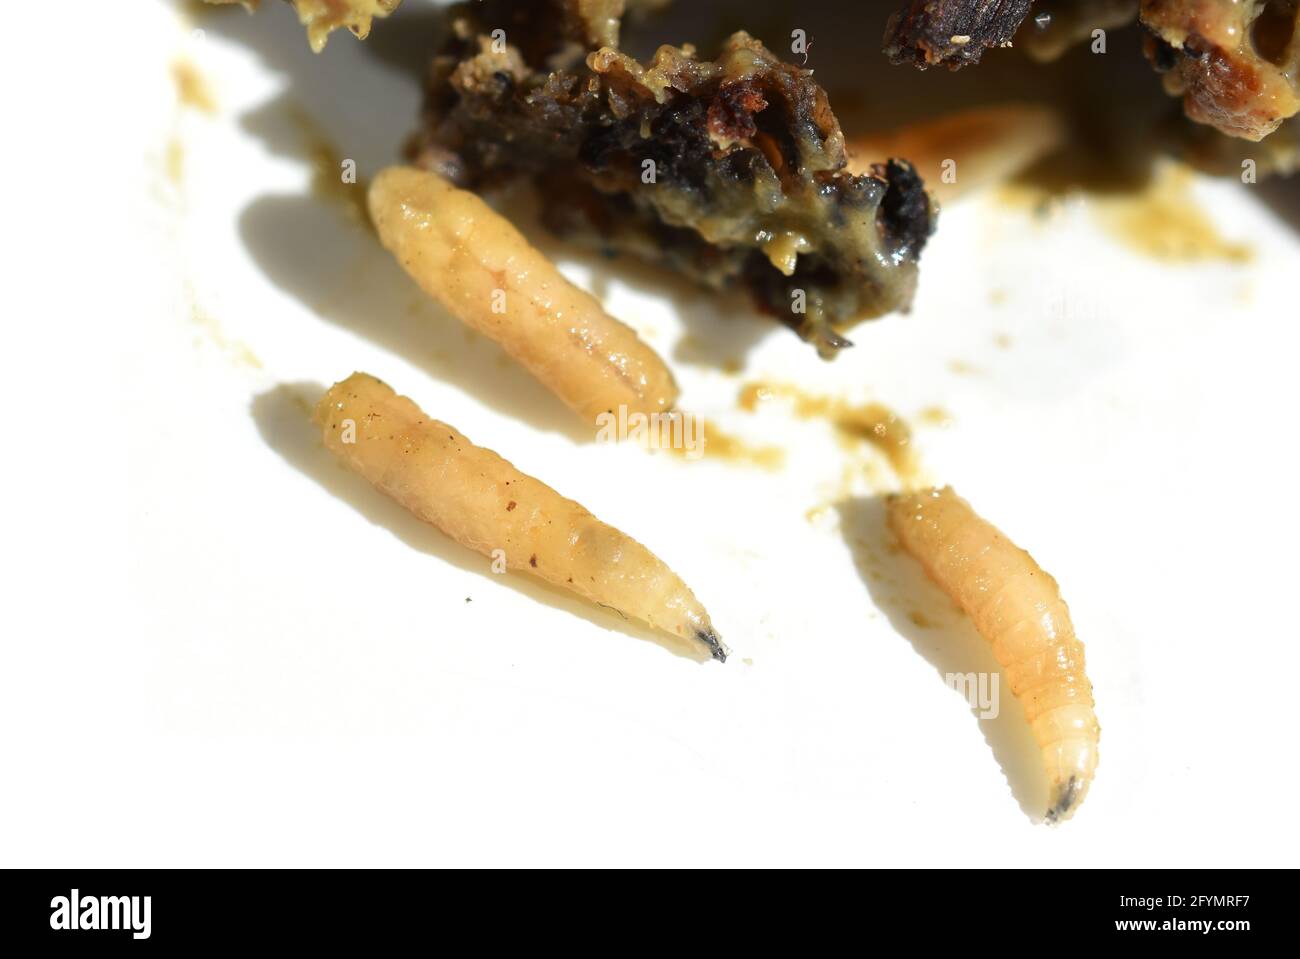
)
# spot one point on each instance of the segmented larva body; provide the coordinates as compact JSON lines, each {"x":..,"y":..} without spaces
{"x":483,"y":502}
{"x":1017,"y":607}
{"x":474,"y":262}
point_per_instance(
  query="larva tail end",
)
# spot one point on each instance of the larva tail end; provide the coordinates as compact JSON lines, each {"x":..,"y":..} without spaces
{"x":1066,"y":799}
{"x":713,"y":642}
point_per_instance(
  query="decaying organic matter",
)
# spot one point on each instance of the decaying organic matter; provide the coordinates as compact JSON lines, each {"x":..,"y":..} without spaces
{"x":731,"y":170}
{"x":951,"y":32}
{"x":1235,"y":63}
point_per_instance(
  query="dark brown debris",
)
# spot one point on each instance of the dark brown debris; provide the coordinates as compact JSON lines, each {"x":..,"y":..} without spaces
{"x":953,"y":33}
{"x":733,"y":170}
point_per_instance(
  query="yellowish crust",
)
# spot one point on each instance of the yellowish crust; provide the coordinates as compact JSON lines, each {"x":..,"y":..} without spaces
{"x":322,"y":17}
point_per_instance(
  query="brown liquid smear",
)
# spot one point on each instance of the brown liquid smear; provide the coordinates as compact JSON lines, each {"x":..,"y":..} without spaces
{"x":1162,"y":220}
{"x":875,"y":423}
{"x":731,"y":449}
{"x":885,"y":430}
{"x":1165,"y":223}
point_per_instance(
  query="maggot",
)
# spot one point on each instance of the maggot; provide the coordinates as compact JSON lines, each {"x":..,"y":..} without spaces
{"x":485,"y":503}
{"x":476,"y":264}
{"x":1017,"y":608}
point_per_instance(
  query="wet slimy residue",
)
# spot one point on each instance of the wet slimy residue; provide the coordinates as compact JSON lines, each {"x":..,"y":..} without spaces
{"x":1161,"y":220}
{"x":1165,"y":223}
{"x":885,"y":430}
{"x":733,"y":449}
{"x":714,"y":443}
{"x":875,"y":423}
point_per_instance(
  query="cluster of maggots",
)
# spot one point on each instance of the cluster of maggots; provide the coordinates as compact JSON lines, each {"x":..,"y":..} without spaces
{"x":482,"y":270}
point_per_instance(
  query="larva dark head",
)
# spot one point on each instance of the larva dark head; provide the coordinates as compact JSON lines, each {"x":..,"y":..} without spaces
{"x":714,"y":643}
{"x":1064,"y":801}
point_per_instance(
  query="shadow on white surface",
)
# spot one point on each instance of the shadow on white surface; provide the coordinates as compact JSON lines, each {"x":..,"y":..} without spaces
{"x":1281,"y":195}
{"x":942,"y":634}
{"x":340,"y":273}
{"x":283,"y":418}
{"x":312,"y":246}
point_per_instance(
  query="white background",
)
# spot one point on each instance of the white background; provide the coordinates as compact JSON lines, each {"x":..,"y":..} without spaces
{"x":220,"y":649}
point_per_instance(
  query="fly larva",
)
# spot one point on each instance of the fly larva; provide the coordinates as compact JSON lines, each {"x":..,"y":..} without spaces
{"x":477,"y":265}
{"x":483,"y":502}
{"x":964,"y":151}
{"x":1018,"y":608}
